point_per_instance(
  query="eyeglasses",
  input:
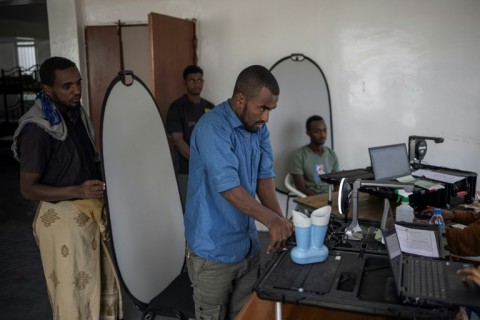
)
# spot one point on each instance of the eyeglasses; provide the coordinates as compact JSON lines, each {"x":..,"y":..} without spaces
{"x":195,"y":80}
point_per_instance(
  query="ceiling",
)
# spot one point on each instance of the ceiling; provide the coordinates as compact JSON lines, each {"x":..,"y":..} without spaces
{"x":31,"y":11}
{"x":21,"y":2}
{"x":23,"y":19}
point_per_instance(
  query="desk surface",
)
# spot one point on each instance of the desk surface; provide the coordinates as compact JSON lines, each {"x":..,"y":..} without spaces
{"x":369,"y":207}
{"x":352,"y":282}
{"x":257,"y":308}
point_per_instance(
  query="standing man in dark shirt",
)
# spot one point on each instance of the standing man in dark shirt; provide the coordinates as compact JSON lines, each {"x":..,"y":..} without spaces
{"x":182,"y":116}
{"x":55,"y":145}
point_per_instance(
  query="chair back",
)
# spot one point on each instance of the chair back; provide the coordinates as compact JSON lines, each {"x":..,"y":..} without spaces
{"x":291,"y":186}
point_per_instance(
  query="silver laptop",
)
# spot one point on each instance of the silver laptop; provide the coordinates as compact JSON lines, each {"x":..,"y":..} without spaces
{"x":391,"y":163}
{"x":422,"y":280}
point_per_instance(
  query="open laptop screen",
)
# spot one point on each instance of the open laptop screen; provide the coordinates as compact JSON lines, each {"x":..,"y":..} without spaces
{"x":392,"y":243}
{"x":388,"y":231}
{"x":389,"y":162}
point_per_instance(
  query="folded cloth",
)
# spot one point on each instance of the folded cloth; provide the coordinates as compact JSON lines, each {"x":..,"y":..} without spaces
{"x":49,"y":119}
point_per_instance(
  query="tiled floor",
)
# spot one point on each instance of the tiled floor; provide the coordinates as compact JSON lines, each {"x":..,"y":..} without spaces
{"x":23,"y":293}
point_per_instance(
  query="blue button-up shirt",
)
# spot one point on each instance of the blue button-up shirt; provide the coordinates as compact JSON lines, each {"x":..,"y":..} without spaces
{"x":223,"y":155}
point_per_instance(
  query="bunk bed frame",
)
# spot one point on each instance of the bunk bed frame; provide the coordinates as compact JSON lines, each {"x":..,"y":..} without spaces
{"x":18,"y":87}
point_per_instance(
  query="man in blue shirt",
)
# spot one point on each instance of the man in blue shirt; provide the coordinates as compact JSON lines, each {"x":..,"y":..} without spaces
{"x":231,"y":162}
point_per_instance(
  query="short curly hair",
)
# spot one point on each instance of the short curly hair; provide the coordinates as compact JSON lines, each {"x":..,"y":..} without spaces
{"x":252,"y":79}
{"x":191,"y":69}
{"x":311,"y":119}
{"x":47,"y":70}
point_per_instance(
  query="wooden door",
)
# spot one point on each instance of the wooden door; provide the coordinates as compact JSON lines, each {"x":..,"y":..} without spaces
{"x":172,"y":48}
{"x":103,"y":45}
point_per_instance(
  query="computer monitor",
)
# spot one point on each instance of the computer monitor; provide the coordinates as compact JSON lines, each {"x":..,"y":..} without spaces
{"x":389,"y":162}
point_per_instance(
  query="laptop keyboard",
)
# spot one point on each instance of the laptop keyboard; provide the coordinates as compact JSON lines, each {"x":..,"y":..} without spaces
{"x":427,"y":278}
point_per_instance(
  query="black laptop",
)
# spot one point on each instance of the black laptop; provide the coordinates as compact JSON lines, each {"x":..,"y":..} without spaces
{"x":425,"y":281}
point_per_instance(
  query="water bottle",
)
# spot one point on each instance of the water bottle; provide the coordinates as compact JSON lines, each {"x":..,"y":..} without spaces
{"x":438,"y":219}
{"x":404,"y":211}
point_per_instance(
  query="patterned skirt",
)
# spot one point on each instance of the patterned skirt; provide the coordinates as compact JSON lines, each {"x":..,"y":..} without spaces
{"x":81,"y":280}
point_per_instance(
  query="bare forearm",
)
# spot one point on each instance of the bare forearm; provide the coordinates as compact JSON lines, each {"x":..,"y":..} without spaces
{"x":299,"y":182}
{"x":279,"y":228}
{"x":184,"y":149}
{"x":303,"y":189}
{"x":308,"y":192}
{"x":181,"y":145}
{"x":242,"y":200}
{"x":41,"y":192}
{"x":31,"y":188}
{"x":267,"y":195}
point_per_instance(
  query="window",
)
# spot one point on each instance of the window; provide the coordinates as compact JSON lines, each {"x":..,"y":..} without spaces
{"x":27,"y":62}
{"x":26,"y":55}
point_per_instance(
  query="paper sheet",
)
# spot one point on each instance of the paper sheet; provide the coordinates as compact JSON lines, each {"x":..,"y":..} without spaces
{"x":438,"y":176}
{"x":417,"y":241}
{"x":420,"y":183}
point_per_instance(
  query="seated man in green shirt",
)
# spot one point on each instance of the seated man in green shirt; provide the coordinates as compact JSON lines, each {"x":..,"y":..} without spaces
{"x":313,"y":160}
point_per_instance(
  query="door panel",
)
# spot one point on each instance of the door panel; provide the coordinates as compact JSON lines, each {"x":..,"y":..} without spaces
{"x":103,"y":64}
{"x":135,"y":48}
{"x":172,"y":48}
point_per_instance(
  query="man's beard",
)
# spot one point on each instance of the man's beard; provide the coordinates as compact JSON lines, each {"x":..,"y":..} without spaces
{"x":250,"y":128}
{"x":65,"y":106}
{"x":319,"y":142}
{"x":194,"y":92}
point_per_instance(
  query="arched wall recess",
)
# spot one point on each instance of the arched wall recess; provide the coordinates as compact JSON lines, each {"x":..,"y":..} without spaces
{"x":303,"y":92}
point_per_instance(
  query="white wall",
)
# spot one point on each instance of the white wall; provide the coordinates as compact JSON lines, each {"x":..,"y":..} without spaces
{"x":395,"y":68}
{"x":67,"y":35}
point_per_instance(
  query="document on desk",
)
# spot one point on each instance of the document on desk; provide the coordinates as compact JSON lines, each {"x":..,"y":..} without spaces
{"x":425,"y":184}
{"x":417,"y":241}
{"x":438,"y":176}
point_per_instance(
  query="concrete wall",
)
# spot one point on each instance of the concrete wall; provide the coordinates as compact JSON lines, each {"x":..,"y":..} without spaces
{"x":395,"y":68}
